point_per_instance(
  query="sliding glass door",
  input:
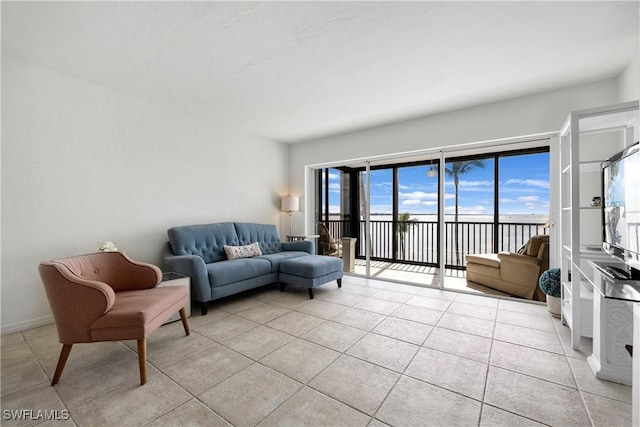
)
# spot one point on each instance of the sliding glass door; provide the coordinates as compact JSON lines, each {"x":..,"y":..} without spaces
{"x":469,"y":200}
{"x":489,"y":202}
{"x":523,"y":194}
{"x":334,"y":199}
{"x":417,"y":214}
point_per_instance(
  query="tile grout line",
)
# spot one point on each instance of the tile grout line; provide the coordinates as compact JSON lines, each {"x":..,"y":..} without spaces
{"x":486,"y":377}
{"x":193,"y":396}
{"x":489,"y":365}
{"x":401,"y":374}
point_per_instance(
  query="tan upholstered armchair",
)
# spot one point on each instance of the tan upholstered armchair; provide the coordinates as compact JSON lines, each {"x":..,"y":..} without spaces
{"x":512,"y":273}
{"x":327,"y":245}
{"x":106,"y":296}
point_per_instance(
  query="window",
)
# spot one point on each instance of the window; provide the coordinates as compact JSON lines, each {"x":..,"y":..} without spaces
{"x":334,"y":200}
{"x":491,"y":202}
{"x":469,"y":207}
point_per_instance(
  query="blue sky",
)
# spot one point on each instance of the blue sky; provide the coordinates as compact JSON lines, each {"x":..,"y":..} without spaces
{"x":524,"y":188}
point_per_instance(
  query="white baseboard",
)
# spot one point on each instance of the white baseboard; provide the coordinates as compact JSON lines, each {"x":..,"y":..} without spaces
{"x":26,"y":324}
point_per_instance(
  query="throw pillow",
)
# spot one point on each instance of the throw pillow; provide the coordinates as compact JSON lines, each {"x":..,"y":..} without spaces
{"x":247,"y":251}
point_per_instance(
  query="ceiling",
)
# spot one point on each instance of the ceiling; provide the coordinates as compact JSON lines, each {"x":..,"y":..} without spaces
{"x":294,"y":71}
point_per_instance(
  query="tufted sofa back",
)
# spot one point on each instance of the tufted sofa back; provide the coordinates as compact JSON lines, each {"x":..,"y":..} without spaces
{"x":265,"y":234}
{"x":207,"y":240}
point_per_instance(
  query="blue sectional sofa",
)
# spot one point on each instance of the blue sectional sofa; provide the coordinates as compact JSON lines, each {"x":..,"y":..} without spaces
{"x":198,"y":251}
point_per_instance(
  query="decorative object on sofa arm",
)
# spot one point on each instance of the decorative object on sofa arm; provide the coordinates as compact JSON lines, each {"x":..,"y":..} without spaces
{"x":290,"y":204}
{"x":107,"y":247}
{"x":550,"y":284}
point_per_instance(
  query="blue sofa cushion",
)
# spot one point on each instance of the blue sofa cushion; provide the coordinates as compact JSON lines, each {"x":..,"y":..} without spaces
{"x":276,"y":258}
{"x":224,"y":273}
{"x":265,"y":234}
{"x":205,"y":240}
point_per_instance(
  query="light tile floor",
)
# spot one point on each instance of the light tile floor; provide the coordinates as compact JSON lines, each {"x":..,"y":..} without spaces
{"x":371,"y":353}
{"x":422,"y":275}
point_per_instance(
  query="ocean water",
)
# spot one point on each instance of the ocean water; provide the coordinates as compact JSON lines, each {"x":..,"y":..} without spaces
{"x":509,"y":218}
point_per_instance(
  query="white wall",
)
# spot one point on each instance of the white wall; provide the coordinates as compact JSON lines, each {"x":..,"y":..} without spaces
{"x":83,"y":164}
{"x":629,"y":82}
{"x":544,"y":112}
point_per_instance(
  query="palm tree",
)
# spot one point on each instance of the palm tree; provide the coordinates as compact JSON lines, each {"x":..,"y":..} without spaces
{"x":404,"y":222}
{"x":455,"y":170}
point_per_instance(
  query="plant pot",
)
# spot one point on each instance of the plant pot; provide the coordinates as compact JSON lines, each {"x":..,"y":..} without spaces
{"x":553,"y":305}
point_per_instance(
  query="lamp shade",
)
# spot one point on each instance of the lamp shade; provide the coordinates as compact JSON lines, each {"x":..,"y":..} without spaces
{"x":290,"y":204}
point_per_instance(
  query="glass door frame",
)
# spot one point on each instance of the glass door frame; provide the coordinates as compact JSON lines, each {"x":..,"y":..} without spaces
{"x":535,"y":141}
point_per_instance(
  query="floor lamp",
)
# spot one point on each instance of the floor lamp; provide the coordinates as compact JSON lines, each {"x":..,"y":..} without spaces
{"x":290,"y":204}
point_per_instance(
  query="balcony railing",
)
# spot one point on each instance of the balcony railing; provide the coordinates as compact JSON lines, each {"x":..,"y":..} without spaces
{"x":416,"y":242}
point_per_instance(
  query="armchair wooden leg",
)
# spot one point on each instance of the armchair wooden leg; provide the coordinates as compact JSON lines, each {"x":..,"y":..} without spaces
{"x":185,"y":323}
{"x":142,"y":360}
{"x":64,"y":355}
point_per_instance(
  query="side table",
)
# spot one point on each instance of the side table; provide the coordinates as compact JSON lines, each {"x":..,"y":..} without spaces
{"x":177,"y":279}
{"x":349,"y":253}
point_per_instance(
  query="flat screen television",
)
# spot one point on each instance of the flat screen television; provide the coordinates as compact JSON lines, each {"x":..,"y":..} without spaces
{"x":621,"y":207}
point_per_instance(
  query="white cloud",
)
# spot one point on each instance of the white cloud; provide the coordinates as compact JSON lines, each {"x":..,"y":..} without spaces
{"x":334,"y":209}
{"x":528,"y":203}
{"x":421,"y":199}
{"x":417,"y":202}
{"x":528,"y":182}
{"x":485,"y":183}
{"x":419,"y":195}
{"x":538,"y":205}
{"x":528,"y":199}
{"x":382,"y":184}
{"x":468,"y":186}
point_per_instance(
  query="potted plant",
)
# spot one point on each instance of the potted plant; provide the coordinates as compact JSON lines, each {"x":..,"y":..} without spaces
{"x":549,"y":283}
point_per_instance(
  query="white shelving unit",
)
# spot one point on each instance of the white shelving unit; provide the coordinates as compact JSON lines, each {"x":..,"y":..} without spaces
{"x":587,"y":138}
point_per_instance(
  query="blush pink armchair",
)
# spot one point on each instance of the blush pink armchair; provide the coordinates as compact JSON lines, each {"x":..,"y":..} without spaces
{"x":106,"y":296}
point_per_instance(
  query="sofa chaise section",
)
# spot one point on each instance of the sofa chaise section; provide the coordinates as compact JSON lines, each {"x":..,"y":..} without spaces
{"x":198,"y":251}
